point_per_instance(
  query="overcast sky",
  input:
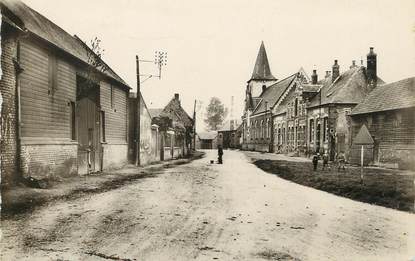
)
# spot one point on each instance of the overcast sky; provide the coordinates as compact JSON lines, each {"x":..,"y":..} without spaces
{"x":212,"y":45}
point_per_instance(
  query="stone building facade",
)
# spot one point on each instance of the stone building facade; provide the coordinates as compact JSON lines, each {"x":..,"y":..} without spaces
{"x":302,"y":115}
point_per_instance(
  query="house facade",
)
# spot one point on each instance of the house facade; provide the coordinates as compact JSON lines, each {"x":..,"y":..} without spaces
{"x":387,"y":116}
{"x":60,"y":115}
{"x":175,"y":129}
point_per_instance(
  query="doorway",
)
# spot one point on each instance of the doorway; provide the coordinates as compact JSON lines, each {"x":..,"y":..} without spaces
{"x":88,"y":127}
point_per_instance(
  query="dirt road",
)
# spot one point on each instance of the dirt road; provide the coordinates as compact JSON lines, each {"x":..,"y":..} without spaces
{"x":201,"y":211}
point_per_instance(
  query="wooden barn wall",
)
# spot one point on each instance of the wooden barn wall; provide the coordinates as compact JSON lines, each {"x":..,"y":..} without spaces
{"x":115,"y":113}
{"x":47,"y":149}
{"x":394,"y":135}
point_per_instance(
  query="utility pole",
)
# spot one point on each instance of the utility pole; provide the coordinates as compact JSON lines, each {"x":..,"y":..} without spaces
{"x":160,"y":59}
{"x":138,"y":132}
{"x":194,"y":126}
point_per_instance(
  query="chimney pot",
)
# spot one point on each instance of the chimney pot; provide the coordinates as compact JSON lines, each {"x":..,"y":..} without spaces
{"x":335,"y":70}
{"x":371,"y":67}
{"x":314,"y":77}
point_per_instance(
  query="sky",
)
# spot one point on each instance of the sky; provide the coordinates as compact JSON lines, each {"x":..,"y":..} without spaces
{"x":212,"y":45}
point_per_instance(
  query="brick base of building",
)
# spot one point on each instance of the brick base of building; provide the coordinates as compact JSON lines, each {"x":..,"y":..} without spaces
{"x":49,"y":161}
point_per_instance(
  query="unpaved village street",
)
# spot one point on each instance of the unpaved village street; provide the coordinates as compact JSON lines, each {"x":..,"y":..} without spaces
{"x":208,"y":211}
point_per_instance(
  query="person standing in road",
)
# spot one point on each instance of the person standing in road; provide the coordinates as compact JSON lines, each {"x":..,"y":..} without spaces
{"x":325,"y":161}
{"x":315,"y":161}
{"x":220,"y":154}
{"x":341,"y":161}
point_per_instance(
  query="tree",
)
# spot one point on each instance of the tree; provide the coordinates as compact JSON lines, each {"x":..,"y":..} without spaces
{"x":97,"y":67}
{"x":215,"y":114}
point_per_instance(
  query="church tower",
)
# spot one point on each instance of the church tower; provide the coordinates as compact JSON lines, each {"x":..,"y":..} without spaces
{"x":261,"y":77}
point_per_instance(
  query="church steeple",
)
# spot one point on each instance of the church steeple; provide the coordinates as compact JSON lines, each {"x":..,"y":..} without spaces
{"x":261,"y":69}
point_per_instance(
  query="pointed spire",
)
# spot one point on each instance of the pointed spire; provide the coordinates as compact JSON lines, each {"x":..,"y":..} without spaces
{"x":261,"y":69}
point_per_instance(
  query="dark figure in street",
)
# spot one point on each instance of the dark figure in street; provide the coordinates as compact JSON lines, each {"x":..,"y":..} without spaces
{"x":315,"y":161}
{"x":220,"y":154}
{"x":341,"y":161}
{"x":325,"y":161}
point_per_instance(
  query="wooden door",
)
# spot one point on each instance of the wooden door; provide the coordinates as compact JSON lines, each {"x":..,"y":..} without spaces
{"x":89,"y":145}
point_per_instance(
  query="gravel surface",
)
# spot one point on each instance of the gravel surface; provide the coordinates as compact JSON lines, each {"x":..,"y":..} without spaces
{"x":203,"y":211}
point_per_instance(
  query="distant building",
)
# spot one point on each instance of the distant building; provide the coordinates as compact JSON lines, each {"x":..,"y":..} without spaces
{"x":176,"y":128}
{"x":228,"y":136}
{"x":386,"y":117}
{"x":207,"y":140}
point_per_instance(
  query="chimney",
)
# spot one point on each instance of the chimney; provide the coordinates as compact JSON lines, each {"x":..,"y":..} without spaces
{"x":336,"y":71}
{"x":264,"y":87}
{"x":314,"y":77}
{"x":353,"y":64}
{"x":177,"y":97}
{"x":328,"y":73}
{"x":232,"y":125}
{"x":371,"y":67}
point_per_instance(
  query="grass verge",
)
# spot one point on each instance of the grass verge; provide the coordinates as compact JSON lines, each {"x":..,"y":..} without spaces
{"x":388,"y":188}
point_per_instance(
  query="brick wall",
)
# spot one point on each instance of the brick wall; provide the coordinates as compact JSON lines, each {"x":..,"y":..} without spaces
{"x":49,"y":161}
{"x":8,"y":109}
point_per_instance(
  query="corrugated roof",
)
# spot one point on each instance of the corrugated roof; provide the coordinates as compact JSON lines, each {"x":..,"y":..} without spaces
{"x":211,"y":135}
{"x":261,"y":69}
{"x":39,"y":25}
{"x":350,"y":87}
{"x":273,"y":93}
{"x":363,"y":137}
{"x":392,"y":96}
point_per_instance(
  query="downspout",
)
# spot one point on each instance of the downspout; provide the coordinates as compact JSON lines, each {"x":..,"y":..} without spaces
{"x":18,"y":70}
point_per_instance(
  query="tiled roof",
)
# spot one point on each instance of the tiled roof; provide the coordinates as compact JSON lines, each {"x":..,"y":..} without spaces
{"x":350,"y":87}
{"x":50,"y":32}
{"x":261,"y":69}
{"x":392,"y":96}
{"x":207,"y":135}
{"x":273,"y":93}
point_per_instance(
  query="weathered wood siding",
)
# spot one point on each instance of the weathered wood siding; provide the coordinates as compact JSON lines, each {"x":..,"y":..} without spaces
{"x":394,"y":135}
{"x":45,"y":110}
{"x":115,"y":113}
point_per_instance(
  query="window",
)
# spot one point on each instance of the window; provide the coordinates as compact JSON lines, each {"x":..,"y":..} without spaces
{"x":296,"y":107}
{"x":325,"y":129}
{"x":52,"y":72}
{"x":311,"y":130}
{"x":283,"y":136}
{"x":103,"y":139}
{"x":73,"y":120}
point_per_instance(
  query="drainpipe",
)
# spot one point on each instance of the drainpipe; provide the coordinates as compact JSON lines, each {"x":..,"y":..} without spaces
{"x":18,"y":70}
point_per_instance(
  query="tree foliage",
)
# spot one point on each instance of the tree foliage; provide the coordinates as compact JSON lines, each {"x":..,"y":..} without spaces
{"x":215,"y":114}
